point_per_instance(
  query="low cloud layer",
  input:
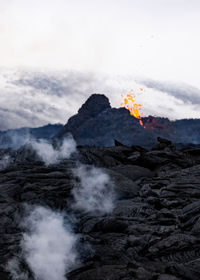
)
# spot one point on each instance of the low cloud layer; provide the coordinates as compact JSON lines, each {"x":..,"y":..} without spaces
{"x":35,"y":98}
{"x":94,"y":190}
{"x":32,"y":98}
{"x":184,"y":92}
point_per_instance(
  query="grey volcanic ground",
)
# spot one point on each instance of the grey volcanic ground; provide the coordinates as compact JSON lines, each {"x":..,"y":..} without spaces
{"x":142,"y":221}
{"x":85,"y":212}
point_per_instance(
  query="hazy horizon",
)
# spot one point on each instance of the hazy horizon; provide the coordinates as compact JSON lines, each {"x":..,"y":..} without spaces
{"x":55,"y":54}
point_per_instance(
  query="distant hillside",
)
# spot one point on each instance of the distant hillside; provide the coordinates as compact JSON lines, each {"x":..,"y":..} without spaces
{"x":15,"y":138}
{"x":97,"y":124}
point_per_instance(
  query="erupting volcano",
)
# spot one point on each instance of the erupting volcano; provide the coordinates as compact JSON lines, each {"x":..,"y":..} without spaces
{"x":134,"y":108}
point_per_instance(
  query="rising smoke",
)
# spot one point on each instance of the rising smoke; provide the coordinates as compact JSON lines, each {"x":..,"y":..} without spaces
{"x":44,"y":149}
{"x":14,"y":139}
{"x":48,"y":244}
{"x":94,"y":191}
{"x":5,"y":162}
{"x":14,"y":267}
{"x":50,"y":155}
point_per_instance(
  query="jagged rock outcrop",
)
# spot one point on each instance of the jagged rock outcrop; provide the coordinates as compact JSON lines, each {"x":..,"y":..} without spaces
{"x":152,"y":232}
{"x":97,"y":124}
{"x":96,"y":104}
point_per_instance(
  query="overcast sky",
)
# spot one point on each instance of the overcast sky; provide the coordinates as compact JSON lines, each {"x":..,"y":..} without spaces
{"x":129,"y":43}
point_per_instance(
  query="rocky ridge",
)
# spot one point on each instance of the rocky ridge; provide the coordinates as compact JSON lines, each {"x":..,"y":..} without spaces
{"x":15,"y":138}
{"x":97,"y":124}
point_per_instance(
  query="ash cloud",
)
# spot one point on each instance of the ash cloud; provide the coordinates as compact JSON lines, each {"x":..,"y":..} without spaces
{"x":35,"y":98}
{"x":184,"y":92}
{"x":94,"y":190}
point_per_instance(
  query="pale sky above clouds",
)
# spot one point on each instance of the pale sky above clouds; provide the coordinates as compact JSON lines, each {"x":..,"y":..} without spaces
{"x":154,"y":38}
{"x":156,"y":42}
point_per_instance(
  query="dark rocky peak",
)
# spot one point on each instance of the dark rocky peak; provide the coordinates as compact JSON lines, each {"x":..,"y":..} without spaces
{"x":94,"y":105}
{"x":97,"y":124}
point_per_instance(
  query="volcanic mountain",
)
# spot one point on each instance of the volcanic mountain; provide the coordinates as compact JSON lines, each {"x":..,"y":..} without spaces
{"x":119,"y":212}
{"x":97,"y":124}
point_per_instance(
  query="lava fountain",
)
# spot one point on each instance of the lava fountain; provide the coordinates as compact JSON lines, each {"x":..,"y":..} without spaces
{"x":134,"y":108}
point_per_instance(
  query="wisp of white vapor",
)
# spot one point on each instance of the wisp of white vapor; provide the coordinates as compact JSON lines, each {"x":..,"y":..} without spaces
{"x":49,"y":154}
{"x":94,"y":193}
{"x":5,"y":162}
{"x":15,"y":270}
{"x":48,"y":245}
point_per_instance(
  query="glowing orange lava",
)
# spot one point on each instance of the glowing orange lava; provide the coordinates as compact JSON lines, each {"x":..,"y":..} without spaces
{"x":134,"y":108}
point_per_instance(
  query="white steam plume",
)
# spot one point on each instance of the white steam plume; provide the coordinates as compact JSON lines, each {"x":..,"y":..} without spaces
{"x":5,"y":162}
{"x":95,"y":191}
{"x":17,"y":139}
{"x":48,"y":245}
{"x":50,"y":155}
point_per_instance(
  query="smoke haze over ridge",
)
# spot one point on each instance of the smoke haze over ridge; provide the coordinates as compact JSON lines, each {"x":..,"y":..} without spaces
{"x":32,"y":98}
